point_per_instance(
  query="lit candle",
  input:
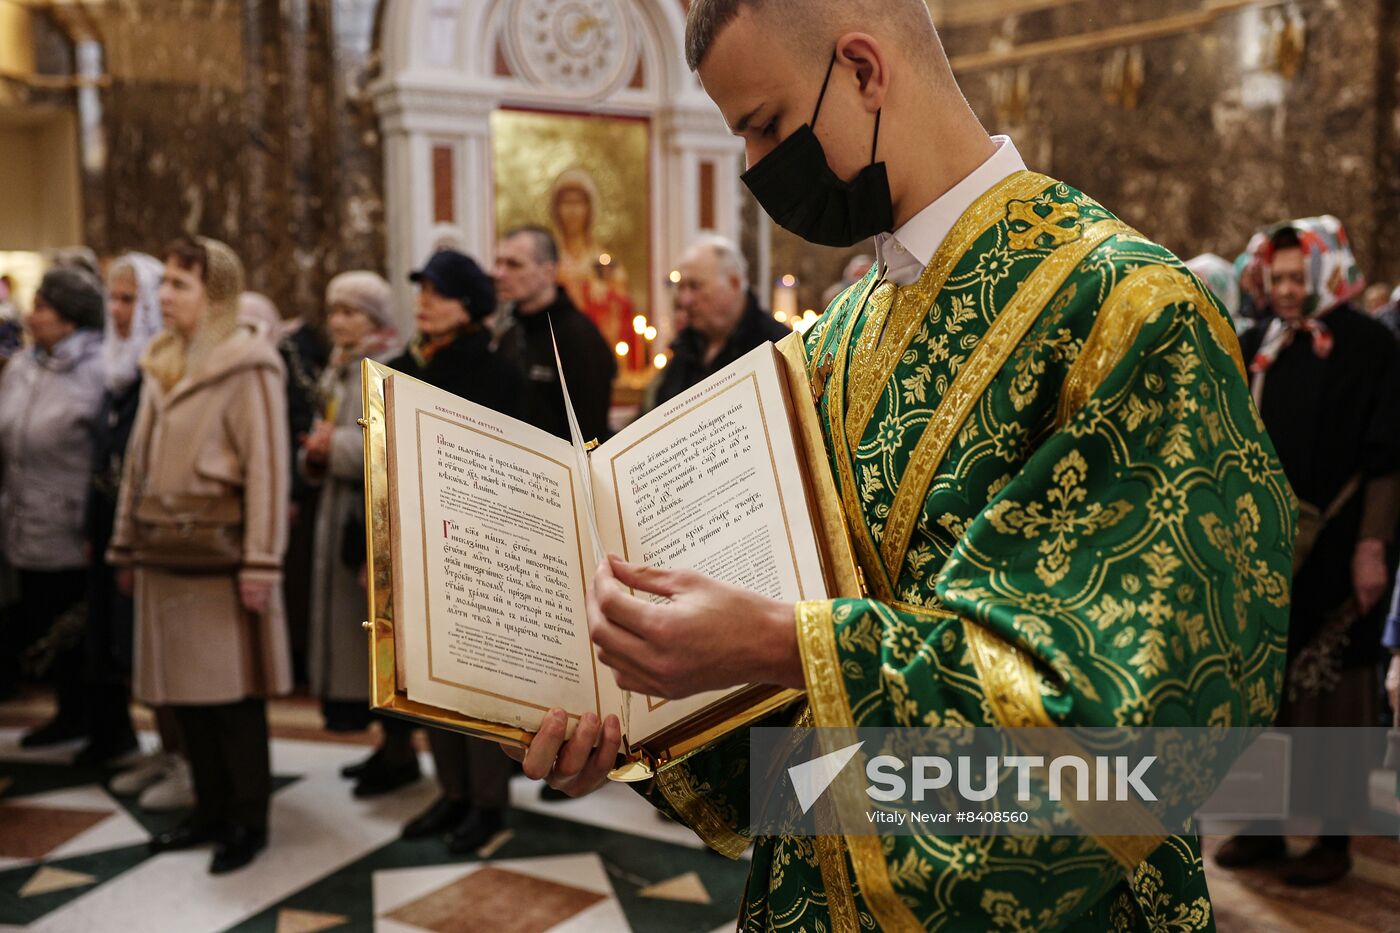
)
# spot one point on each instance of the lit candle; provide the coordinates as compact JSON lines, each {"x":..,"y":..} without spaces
{"x":785,"y":299}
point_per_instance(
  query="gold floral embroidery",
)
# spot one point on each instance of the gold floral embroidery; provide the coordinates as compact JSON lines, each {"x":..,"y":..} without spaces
{"x":1239,"y":544}
{"x":991,"y":354}
{"x":874,"y":374}
{"x":1059,"y":523}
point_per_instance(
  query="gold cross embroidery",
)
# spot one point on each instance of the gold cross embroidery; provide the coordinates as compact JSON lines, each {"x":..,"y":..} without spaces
{"x":1023,"y":212}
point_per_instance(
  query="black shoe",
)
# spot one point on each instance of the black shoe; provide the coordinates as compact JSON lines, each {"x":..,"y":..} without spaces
{"x":237,"y":847}
{"x":1322,"y":864}
{"x":382,"y":778}
{"x":441,"y":817}
{"x":1249,"y":851}
{"x":56,"y":731}
{"x":550,"y":795}
{"x":475,"y":830}
{"x":101,"y":749}
{"x":353,"y":772}
{"x":185,"y":836}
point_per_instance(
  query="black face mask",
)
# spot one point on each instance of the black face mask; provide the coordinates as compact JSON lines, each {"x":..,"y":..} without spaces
{"x":796,"y":186}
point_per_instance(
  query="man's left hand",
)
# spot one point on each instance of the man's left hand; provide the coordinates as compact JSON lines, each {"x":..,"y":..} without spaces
{"x":707,"y":636}
{"x":1368,"y":574}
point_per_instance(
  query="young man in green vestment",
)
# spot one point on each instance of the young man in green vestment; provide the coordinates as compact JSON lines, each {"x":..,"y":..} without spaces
{"x":1062,"y":499}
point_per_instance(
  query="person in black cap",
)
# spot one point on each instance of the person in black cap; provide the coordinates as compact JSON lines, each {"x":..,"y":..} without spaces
{"x":452,"y":351}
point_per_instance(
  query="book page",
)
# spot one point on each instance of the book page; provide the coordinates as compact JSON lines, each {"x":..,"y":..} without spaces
{"x":711,"y":481}
{"x":490,"y":611}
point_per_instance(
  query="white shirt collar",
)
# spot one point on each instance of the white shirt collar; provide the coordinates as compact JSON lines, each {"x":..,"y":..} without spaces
{"x":902,"y":255}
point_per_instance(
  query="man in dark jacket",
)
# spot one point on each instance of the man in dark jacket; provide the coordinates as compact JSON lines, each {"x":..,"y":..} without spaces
{"x":724,"y":317}
{"x":527,"y":273}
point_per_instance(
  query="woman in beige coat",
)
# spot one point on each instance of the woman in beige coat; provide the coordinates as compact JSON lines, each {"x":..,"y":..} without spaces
{"x":211,"y":645}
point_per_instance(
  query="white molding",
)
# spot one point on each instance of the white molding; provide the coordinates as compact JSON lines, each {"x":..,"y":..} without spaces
{"x":424,"y":102}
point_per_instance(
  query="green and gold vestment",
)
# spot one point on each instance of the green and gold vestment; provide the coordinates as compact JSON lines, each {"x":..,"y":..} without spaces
{"x":1067,"y":513}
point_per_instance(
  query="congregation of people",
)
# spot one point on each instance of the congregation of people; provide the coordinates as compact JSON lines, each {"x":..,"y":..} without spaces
{"x":142,"y":390}
{"x":148,"y":386}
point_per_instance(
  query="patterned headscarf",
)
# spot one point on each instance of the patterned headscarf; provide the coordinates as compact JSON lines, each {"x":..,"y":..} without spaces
{"x":1332,"y":278}
{"x":1219,"y":276}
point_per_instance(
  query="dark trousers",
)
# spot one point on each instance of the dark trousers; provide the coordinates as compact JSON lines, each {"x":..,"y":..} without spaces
{"x":45,"y":597}
{"x":472,"y":770}
{"x":227,"y":750}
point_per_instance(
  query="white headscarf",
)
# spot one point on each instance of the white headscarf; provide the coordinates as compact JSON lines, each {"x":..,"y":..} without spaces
{"x":121,"y":356}
{"x":258,"y":311}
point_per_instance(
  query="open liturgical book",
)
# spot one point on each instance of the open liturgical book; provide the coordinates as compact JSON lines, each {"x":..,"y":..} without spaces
{"x":485,"y":532}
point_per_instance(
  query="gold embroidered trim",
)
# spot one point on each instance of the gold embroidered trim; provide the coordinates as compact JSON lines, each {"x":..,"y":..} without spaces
{"x":990,"y":355}
{"x":866,"y":552}
{"x":878,"y":355}
{"x":831,"y":859}
{"x":1012,"y":688}
{"x":831,"y":708}
{"x":916,"y":610}
{"x":1132,"y":304}
{"x":674,"y":784}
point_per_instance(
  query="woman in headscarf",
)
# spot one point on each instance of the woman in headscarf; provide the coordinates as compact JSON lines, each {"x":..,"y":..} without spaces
{"x":50,"y":394}
{"x":133,"y":320}
{"x":1219,"y":275}
{"x":360,"y":319}
{"x":1326,"y":378}
{"x":202,"y":519}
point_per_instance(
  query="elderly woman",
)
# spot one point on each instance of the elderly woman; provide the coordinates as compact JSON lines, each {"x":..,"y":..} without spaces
{"x":202,"y":520}
{"x":50,"y":395}
{"x":361,"y":324}
{"x":133,"y":320}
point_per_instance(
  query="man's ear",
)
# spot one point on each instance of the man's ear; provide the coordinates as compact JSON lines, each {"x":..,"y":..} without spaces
{"x":863,"y":53}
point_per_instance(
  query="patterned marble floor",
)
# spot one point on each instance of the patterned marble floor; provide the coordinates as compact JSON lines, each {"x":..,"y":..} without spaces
{"x":72,"y":858}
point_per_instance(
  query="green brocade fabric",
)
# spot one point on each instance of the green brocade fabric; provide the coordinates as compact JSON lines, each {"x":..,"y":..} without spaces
{"x":1067,"y":513}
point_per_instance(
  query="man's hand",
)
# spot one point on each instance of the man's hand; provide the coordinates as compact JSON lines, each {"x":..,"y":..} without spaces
{"x":1368,"y":576}
{"x":707,"y":636}
{"x":574,"y":767}
{"x":255,"y":595}
{"x":1392,"y":685}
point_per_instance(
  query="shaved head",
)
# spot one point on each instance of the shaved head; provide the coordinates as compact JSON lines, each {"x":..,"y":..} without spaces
{"x":813,"y":26}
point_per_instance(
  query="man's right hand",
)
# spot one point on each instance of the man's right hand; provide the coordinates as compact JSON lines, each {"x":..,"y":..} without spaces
{"x":126,"y":581}
{"x":575,"y":766}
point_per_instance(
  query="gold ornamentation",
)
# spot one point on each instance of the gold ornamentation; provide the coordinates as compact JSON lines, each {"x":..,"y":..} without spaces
{"x":866,"y":552}
{"x":1013,"y":691}
{"x":1133,"y":303}
{"x":1239,"y":545}
{"x":987,"y":360}
{"x":831,"y":708}
{"x":875,"y":371}
{"x":1028,"y":226}
{"x":1068,"y":517}
{"x":674,"y":784}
